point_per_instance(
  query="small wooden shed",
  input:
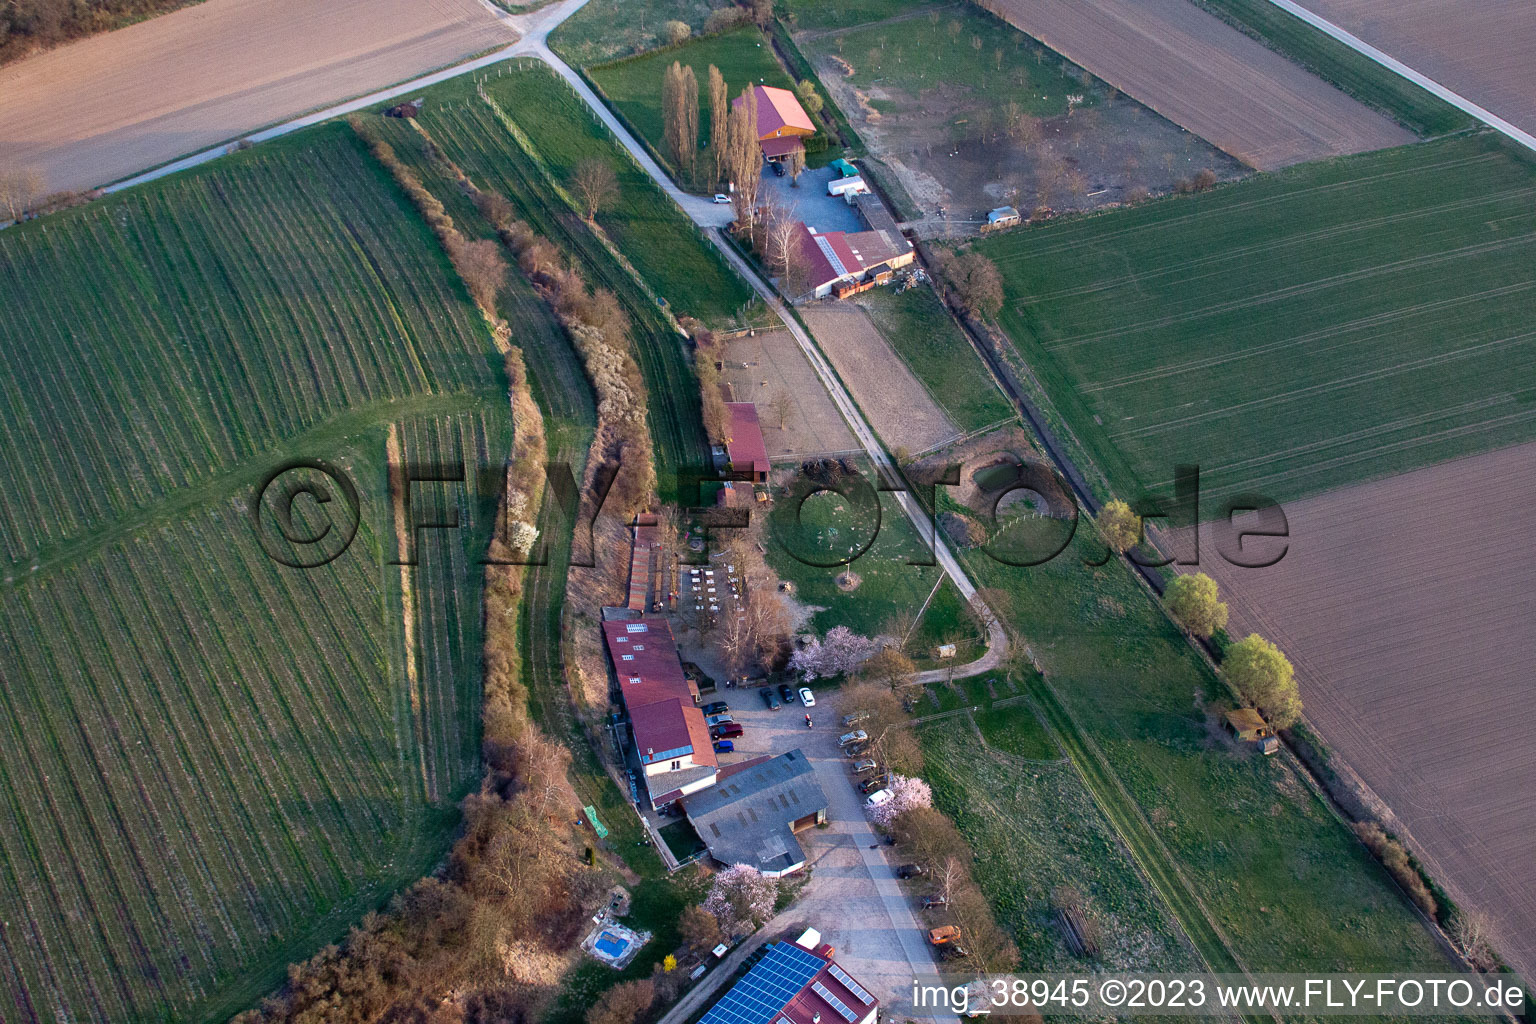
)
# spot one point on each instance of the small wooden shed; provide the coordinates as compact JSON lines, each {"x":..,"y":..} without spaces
{"x":1248,"y":725}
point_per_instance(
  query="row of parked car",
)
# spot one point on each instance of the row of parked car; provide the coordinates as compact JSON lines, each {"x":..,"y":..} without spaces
{"x":787,"y":694}
{"x":723,"y":729}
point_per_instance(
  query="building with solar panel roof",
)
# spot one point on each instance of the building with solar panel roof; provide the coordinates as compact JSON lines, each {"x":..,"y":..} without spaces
{"x":793,"y":984}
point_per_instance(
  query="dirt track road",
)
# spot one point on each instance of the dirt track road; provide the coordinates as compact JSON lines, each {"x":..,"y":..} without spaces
{"x":1204,"y":75}
{"x":1405,"y":606}
{"x":106,"y":107}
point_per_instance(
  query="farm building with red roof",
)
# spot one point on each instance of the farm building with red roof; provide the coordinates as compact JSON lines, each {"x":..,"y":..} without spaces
{"x":670,"y":735}
{"x":746,"y":449}
{"x":782,"y":124}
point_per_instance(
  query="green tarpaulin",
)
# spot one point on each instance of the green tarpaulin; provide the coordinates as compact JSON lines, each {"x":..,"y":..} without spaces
{"x":597,"y":826}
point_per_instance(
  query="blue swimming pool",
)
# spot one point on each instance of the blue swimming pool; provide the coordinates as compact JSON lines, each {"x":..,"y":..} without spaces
{"x":611,"y":946}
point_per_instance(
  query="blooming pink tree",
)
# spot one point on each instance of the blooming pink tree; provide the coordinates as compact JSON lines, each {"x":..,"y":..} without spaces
{"x":907,"y":793}
{"x":839,"y":653}
{"x":741,"y":895}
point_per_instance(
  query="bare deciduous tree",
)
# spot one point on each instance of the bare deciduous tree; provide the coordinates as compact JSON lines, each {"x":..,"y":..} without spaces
{"x":781,"y":404}
{"x":595,"y":184}
{"x":680,"y":116}
{"x":744,"y":157}
{"x":719,"y":115}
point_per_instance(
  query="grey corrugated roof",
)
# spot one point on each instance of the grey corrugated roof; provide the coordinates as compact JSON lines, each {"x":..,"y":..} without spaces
{"x":745,"y":818}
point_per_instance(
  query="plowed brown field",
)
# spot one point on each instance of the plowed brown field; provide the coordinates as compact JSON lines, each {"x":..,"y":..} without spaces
{"x":1484,"y":51}
{"x":1200,"y":73}
{"x":101,"y":109}
{"x":1405,"y":605}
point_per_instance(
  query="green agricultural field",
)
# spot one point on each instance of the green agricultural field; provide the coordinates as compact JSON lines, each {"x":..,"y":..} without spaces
{"x":744,"y":56}
{"x":890,"y":587}
{"x":604,"y":30}
{"x":1221,"y":831}
{"x":938,"y":353}
{"x":1354,"y":73}
{"x":1295,"y":332}
{"x":213,"y":764}
{"x":664,"y":245}
{"x":1035,"y":829}
{"x":485,"y":137}
{"x":805,"y":15}
{"x":954,"y":52}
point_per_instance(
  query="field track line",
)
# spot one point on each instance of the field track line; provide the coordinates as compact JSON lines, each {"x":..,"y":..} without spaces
{"x":1324,"y":387}
{"x":1423,"y":81}
{"x":1179,"y":270}
{"x":1376,"y":320}
{"x":1357,"y":276}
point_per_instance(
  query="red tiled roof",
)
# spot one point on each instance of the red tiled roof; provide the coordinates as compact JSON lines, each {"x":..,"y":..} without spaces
{"x":807,"y":1004}
{"x":652,"y":672}
{"x":656,"y":693}
{"x":671,"y":725}
{"x":746,"y":447}
{"x":777,"y":110}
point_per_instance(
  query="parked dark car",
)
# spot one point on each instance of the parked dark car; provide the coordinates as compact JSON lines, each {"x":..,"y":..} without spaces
{"x":778,"y":169}
{"x":724,"y":747}
{"x":878,"y":782}
{"x":857,"y":750}
{"x":934,"y":902}
{"x":730,"y":730}
{"x":911,"y":871}
{"x":786,"y":693}
{"x":769,"y":700}
{"x":719,"y":707}
{"x":855,"y":718}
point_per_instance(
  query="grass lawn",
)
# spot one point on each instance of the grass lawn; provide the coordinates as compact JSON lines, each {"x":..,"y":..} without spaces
{"x":1284,"y":885}
{"x":1299,"y":331}
{"x":939,"y":50}
{"x":1034,"y":828}
{"x":744,"y":56}
{"x":888,"y":585}
{"x":946,"y":620}
{"x":939,"y":354}
{"x":681,"y":839}
{"x":605,"y":30}
{"x":1329,"y":59}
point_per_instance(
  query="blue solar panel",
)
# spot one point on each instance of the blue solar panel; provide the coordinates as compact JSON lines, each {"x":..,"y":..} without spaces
{"x":772,"y":982}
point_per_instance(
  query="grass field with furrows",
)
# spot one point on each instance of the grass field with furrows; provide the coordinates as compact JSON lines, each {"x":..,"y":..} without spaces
{"x":211,"y":764}
{"x":1254,"y":866}
{"x":657,"y":236}
{"x":179,"y":329}
{"x":1336,"y":322}
{"x":1035,"y":829}
{"x":485,"y":146}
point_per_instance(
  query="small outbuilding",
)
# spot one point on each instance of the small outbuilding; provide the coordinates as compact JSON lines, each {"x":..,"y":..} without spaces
{"x":847,"y":187}
{"x":1249,"y":726}
{"x":1003,"y":217}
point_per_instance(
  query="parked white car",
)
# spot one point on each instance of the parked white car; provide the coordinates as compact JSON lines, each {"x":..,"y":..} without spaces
{"x":879,"y":797}
{"x":722,"y":198}
{"x":807,"y":697}
{"x":857,"y":736}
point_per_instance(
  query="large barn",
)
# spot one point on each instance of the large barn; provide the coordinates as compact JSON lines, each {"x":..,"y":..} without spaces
{"x":782,"y":124}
